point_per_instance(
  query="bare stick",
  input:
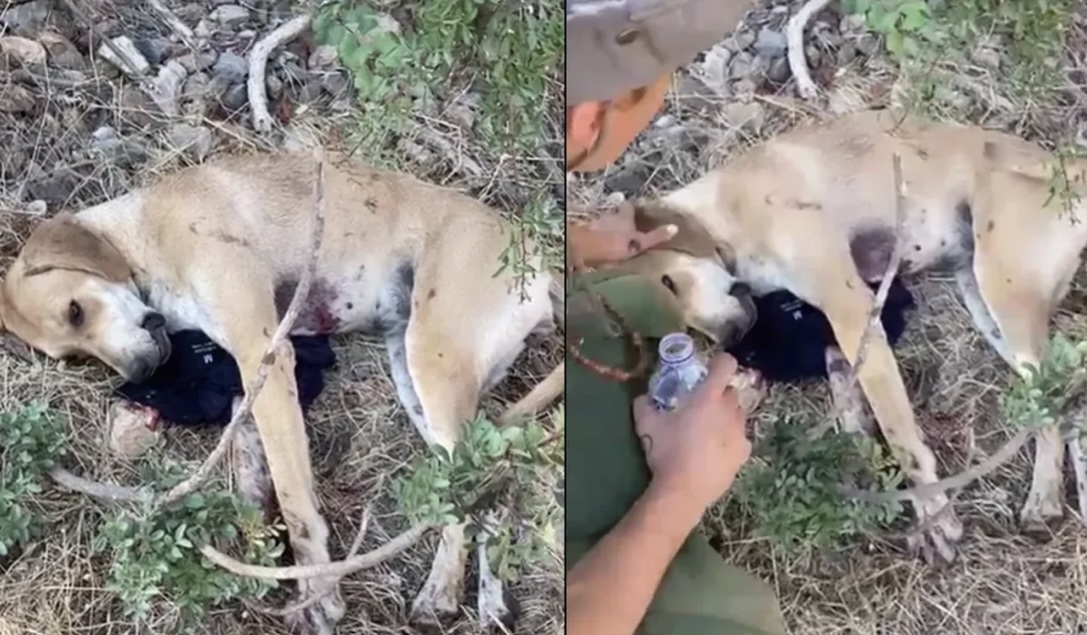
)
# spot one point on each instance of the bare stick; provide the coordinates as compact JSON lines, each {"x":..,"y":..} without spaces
{"x":176,"y":25}
{"x":960,"y":480}
{"x":330,"y":569}
{"x":201,"y":475}
{"x":101,"y":491}
{"x":258,"y":62}
{"x":794,"y":37}
{"x":316,"y":597}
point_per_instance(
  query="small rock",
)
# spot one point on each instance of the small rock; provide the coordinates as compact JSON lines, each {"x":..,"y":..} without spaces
{"x":106,"y":142}
{"x":230,"y":15}
{"x":27,"y":18}
{"x":196,"y":86}
{"x":846,"y":54}
{"x":195,"y":62}
{"x":335,"y":83}
{"x":137,"y":109}
{"x":867,"y":44}
{"x":36,"y":208}
{"x":62,"y":53}
{"x":749,"y":116}
{"x":235,"y":98}
{"x":23,"y":51}
{"x":190,"y":13}
{"x":310,"y":91}
{"x":739,"y":41}
{"x":274,"y":86}
{"x":134,"y":429}
{"x":986,"y":52}
{"x":779,"y":70}
{"x":16,"y":99}
{"x":202,"y":30}
{"x":192,"y":141}
{"x":133,"y":55}
{"x":741,"y":66}
{"x":166,"y":87}
{"x":770,"y":43}
{"x":155,"y":50}
{"x":324,"y":57}
{"x":232,"y":67}
{"x":744,"y":90}
{"x":54,"y":189}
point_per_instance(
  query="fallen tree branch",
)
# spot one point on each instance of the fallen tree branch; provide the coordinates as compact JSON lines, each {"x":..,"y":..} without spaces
{"x":794,"y":37}
{"x":258,"y":63}
{"x":330,"y":569}
{"x":960,"y":480}
{"x":116,"y":493}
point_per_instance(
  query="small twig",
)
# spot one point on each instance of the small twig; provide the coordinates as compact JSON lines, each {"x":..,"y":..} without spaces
{"x":794,"y":36}
{"x":100,"y":491}
{"x":176,"y":25}
{"x":258,"y":63}
{"x":325,"y":570}
{"x":960,"y":480}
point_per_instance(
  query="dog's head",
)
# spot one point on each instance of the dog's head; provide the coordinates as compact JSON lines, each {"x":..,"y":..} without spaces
{"x":698,"y":271}
{"x":70,"y":293}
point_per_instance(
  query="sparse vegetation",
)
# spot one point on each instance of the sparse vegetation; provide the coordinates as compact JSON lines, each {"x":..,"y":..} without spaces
{"x":30,"y":441}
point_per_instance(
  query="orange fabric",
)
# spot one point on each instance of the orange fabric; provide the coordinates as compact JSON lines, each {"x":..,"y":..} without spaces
{"x":598,"y":132}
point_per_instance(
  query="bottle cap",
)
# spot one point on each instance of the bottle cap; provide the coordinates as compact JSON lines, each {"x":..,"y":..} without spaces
{"x":676,"y":348}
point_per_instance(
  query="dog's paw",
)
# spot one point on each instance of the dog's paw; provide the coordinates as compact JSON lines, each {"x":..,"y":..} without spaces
{"x":1039,"y":514}
{"x":937,"y":532}
{"x":322,"y":617}
{"x":435,"y":605}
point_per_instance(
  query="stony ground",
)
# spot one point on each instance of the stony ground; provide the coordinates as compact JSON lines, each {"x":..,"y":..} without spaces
{"x":76,"y":129}
{"x":741,"y":92}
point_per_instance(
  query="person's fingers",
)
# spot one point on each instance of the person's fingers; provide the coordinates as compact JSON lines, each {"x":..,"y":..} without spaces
{"x":654,"y":237}
{"x":720,"y":371}
{"x":643,"y":414}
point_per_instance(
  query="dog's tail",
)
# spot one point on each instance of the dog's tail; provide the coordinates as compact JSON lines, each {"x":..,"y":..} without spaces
{"x":1032,"y":162}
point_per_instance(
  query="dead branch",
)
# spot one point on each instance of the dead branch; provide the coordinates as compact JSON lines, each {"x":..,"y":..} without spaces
{"x":258,"y":63}
{"x":960,"y":480}
{"x":115,"y":493}
{"x":284,"y":611}
{"x":794,"y":36}
{"x":325,"y":570}
{"x":99,"y":491}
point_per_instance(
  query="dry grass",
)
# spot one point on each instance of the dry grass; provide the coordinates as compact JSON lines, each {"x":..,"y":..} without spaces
{"x":360,"y":437}
{"x":1002,"y":582}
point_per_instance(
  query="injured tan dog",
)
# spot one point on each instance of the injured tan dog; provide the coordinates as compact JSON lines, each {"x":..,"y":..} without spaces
{"x":220,"y":248}
{"x":813,"y":211}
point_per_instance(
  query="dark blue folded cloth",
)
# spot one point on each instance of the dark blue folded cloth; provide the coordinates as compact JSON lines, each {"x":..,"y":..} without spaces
{"x":789,"y":340}
{"x":199,"y":381}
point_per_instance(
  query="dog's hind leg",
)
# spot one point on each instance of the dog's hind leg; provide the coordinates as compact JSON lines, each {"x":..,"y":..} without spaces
{"x":1014,"y":318}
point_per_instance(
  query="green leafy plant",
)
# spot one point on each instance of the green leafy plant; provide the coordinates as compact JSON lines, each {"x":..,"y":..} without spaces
{"x":1052,"y":388}
{"x":30,"y":441}
{"x":797,"y":490}
{"x":155,"y":553}
{"x":492,"y":468}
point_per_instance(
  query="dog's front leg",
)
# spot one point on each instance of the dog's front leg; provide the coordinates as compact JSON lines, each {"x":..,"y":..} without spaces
{"x":848,"y":311}
{"x":283,"y":435}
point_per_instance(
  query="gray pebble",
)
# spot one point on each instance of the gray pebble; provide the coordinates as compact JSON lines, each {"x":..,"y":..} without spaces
{"x":770,"y":43}
{"x":235,"y":97}
{"x":779,"y":70}
{"x":232,"y":67}
{"x":230,"y":15}
{"x":156,"y":50}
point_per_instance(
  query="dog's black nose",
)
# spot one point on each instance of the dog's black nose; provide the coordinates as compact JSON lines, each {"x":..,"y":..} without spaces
{"x":153,"y":322}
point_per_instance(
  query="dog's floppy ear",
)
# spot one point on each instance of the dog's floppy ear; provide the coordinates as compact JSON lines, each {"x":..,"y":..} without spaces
{"x":692,"y":236}
{"x":62,"y":243}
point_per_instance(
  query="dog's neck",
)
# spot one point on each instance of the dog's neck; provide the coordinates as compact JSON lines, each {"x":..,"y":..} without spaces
{"x":702,"y":201}
{"x":120,"y":219}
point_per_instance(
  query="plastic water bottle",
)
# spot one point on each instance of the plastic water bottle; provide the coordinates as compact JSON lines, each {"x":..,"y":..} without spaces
{"x":678,"y":373}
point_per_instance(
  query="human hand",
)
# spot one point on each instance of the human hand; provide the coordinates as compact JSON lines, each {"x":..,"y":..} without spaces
{"x":696,"y":450}
{"x":614,"y":238}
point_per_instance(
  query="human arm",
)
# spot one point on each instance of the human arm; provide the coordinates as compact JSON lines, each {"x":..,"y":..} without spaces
{"x":694,"y":454}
